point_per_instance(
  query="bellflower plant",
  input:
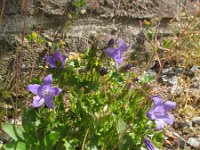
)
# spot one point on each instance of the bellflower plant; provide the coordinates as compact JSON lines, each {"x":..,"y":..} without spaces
{"x":57,"y":60}
{"x":116,"y":53}
{"x":96,"y":108}
{"x":44,"y":92}
{"x":161,"y":112}
{"x":148,"y":144}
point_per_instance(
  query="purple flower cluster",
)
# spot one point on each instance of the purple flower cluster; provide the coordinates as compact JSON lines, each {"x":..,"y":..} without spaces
{"x":116,"y":53}
{"x":161,"y":112}
{"x":57,"y":60}
{"x":44,"y":92}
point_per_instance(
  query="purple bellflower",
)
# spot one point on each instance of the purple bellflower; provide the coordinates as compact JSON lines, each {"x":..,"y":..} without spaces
{"x":161,"y":112}
{"x":148,"y":144}
{"x":44,"y":92}
{"x":57,"y":60}
{"x":116,"y":53}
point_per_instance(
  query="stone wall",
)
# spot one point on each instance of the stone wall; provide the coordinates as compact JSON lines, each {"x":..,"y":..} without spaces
{"x":102,"y":18}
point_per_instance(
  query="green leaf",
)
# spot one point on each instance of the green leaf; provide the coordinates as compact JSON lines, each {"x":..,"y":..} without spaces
{"x":67,"y":145}
{"x":42,"y":40}
{"x":121,"y":126}
{"x":79,"y":3}
{"x":15,"y":132}
{"x":15,"y":146}
{"x":147,"y":77}
{"x":51,"y":139}
{"x":1,"y":145}
{"x":157,"y":139}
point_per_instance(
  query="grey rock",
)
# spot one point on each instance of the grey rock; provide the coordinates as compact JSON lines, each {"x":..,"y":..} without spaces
{"x":165,"y":71}
{"x":179,"y":70}
{"x":185,"y":124}
{"x":171,"y":74}
{"x":194,"y":69}
{"x":163,"y":79}
{"x":193,"y":142}
{"x":196,"y":120}
{"x":182,"y":142}
{"x":173,"y":81}
{"x":189,"y":73}
{"x":106,"y":17}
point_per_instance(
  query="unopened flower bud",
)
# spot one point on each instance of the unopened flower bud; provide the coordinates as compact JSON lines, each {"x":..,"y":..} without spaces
{"x":103,"y":71}
{"x":111,"y":42}
{"x":80,"y":71}
{"x":126,"y":68}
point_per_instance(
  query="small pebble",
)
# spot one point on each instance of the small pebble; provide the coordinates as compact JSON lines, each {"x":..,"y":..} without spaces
{"x":196,"y":120}
{"x":193,"y":142}
{"x":185,"y":124}
{"x":173,"y":81}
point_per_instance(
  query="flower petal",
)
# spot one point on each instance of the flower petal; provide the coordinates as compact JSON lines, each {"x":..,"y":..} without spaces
{"x":33,"y":88}
{"x":49,"y":102}
{"x":57,"y":55}
{"x":157,"y":100}
{"x":55,"y":91}
{"x":169,"y":105}
{"x":63,"y":60}
{"x":37,"y":101}
{"x":159,"y":124}
{"x":47,"y":80}
{"x":111,"y":52}
{"x":148,"y":144}
{"x":51,"y":61}
{"x":169,"y":119}
{"x":118,"y":61}
{"x":44,"y":90}
{"x":122,"y":45}
{"x":150,"y":114}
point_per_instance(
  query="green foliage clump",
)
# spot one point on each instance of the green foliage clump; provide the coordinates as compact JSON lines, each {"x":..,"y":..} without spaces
{"x":95,"y":110}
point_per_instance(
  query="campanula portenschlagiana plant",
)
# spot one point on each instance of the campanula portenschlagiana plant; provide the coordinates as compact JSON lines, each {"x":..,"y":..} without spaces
{"x":116,"y":53}
{"x":44,"y":92}
{"x":161,"y":112}
{"x":99,"y":107}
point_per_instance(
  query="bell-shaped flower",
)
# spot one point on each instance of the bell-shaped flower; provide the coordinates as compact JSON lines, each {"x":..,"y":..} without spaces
{"x":161,"y":112}
{"x":44,"y":92}
{"x":116,"y":53}
{"x":148,"y":144}
{"x":57,"y":60}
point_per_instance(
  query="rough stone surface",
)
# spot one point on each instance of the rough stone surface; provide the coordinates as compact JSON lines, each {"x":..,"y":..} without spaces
{"x":102,"y":19}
